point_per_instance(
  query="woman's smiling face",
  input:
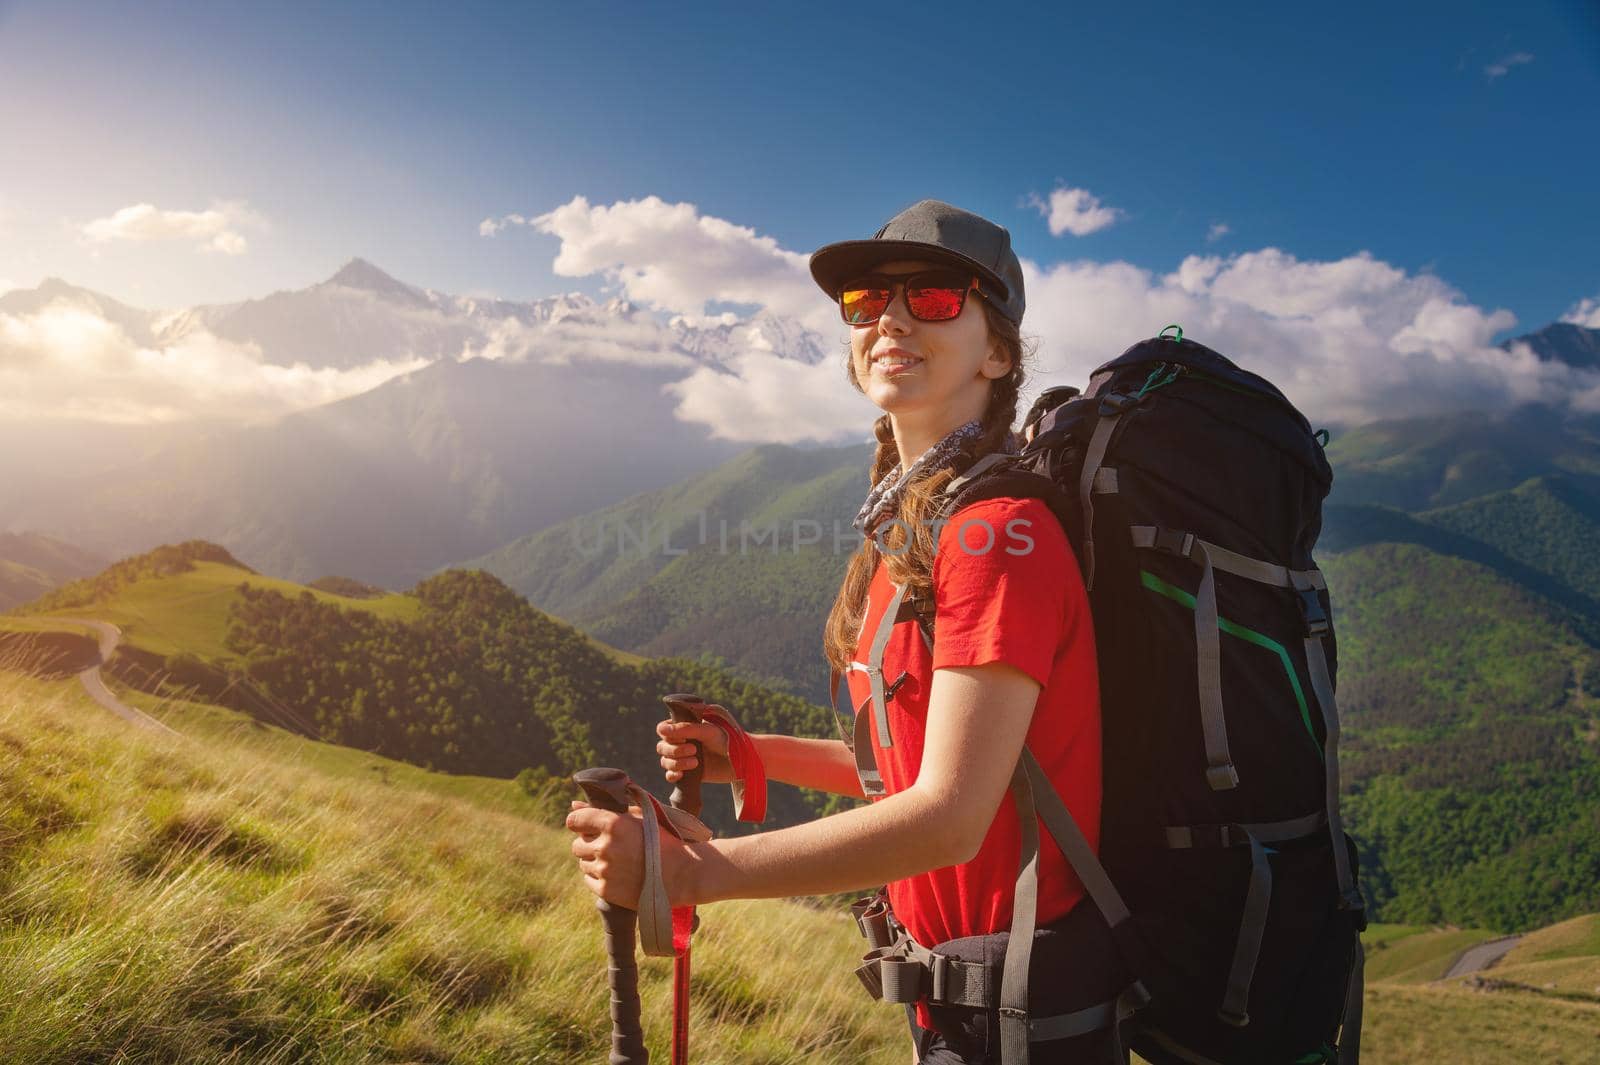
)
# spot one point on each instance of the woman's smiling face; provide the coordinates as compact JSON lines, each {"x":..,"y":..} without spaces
{"x":905,"y":365}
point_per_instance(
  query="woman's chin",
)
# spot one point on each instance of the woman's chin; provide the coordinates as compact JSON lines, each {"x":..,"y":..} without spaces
{"x":894,"y":394}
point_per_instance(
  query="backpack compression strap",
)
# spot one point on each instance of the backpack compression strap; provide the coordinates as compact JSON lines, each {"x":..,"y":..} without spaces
{"x":1220,"y":772}
{"x":1305,"y":584}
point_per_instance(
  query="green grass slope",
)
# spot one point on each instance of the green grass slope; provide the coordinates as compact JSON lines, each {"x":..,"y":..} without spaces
{"x":1349,"y":526}
{"x":1415,"y":954}
{"x":248,"y":895}
{"x":1538,"y":1004}
{"x":177,"y":599}
{"x":245,"y":897}
{"x":459,"y":674}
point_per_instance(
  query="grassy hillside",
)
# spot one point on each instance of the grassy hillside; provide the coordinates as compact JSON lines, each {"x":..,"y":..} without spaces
{"x":177,"y":599}
{"x":591,"y":562}
{"x":1559,"y":962}
{"x":1539,"y":1004}
{"x":459,"y":674}
{"x":249,"y":897}
{"x":246,"y":894}
{"x":1415,"y":954}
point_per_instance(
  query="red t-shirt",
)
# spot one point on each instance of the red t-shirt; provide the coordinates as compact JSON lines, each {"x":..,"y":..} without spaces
{"x":1008,"y":590}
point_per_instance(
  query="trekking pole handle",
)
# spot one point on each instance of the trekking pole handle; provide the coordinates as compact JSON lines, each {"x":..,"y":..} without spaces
{"x":608,"y":789}
{"x":686,"y":708}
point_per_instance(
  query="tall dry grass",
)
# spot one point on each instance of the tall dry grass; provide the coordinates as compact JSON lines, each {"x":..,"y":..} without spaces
{"x":168,"y":900}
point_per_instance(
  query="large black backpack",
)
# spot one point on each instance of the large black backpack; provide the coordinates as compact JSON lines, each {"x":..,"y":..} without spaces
{"x":1192,"y":492}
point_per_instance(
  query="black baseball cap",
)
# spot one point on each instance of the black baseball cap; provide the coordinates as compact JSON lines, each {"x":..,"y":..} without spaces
{"x":937,"y":231}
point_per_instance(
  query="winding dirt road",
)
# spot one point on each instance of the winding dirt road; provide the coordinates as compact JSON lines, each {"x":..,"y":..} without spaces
{"x":1481,"y":956}
{"x":110,"y":636}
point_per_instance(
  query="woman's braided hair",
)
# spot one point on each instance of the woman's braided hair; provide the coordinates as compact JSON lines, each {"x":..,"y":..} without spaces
{"x":913,"y":565}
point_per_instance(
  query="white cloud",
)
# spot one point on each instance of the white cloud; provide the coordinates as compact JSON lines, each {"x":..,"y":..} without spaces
{"x":1503,"y":67}
{"x":1585,"y":313}
{"x":1075,"y":211}
{"x":637,"y":339}
{"x":490,"y":226}
{"x":672,"y":258}
{"x":762,"y":397}
{"x":215,"y":228}
{"x":1348,"y":341}
{"x":1217,"y":231}
{"x":68,"y":361}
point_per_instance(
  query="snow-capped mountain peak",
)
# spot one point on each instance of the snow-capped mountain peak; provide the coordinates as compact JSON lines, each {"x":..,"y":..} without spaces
{"x":362,"y":276}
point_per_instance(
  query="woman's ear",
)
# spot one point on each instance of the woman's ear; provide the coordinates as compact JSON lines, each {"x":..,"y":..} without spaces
{"x":997,"y":363}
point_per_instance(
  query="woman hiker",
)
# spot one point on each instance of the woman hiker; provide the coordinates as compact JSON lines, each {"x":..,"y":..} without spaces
{"x":935,"y":302}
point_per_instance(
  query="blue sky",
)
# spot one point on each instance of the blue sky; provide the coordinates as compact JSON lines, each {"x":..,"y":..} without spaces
{"x":1458,"y":139}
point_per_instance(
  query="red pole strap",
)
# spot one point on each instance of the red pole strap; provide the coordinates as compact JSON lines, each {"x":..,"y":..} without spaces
{"x":750,"y":789}
{"x":680,"y":1008}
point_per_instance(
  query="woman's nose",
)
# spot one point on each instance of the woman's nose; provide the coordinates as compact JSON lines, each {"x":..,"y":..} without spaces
{"x":896,"y":318}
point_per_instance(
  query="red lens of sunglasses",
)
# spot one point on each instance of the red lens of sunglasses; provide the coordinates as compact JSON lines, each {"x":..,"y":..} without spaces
{"x":932,"y":296}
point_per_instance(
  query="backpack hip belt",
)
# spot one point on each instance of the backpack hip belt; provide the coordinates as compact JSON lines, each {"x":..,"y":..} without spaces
{"x":898,"y":969}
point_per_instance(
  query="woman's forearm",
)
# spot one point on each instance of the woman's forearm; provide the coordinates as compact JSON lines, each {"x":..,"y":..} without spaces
{"x":826,"y":765}
{"x":892,"y":839}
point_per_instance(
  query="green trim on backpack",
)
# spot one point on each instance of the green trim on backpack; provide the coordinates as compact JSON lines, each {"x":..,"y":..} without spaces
{"x":1233,"y":628}
{"x":1157,"y":380}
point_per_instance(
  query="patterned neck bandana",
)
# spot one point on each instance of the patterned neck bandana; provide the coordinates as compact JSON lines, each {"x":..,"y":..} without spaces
{"x":884,"y":499}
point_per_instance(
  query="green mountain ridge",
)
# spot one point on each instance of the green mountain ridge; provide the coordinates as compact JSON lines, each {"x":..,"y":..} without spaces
{"x":1424,"y":463}
{"x":460,"y":674}
{"x":710,"y":565}
{"x":1550,"y":523}
{"x":31,"y":565}
{"x":1471,"y":770}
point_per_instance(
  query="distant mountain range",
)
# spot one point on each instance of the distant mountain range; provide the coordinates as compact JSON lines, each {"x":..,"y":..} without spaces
{"x":526,"y":414}
{"x":31,"y":565}
{"x":541,"y":421}
{"x":1575,"y":345}
{"x":361,"y":315}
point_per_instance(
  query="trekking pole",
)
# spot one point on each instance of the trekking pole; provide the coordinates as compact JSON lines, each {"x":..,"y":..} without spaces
{"x":685,"y":707}
{"x":607,"y":789}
